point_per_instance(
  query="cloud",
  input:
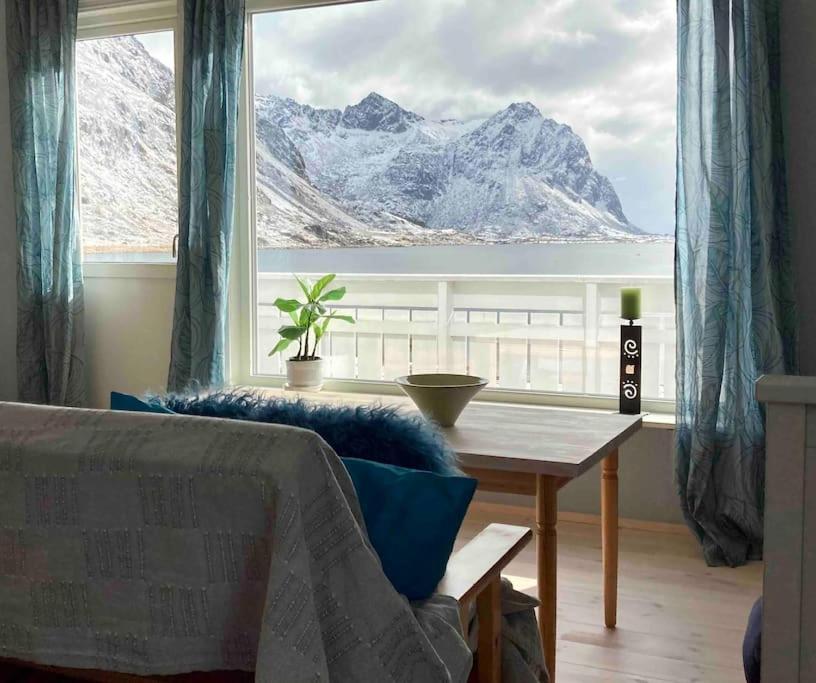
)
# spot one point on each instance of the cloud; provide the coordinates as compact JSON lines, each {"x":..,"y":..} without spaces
{"x":605,"y":68}
{"x":160,"y":46}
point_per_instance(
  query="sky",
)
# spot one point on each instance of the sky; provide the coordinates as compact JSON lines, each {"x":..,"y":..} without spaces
{"x":160,"y":46}
{"x":607,"y":69}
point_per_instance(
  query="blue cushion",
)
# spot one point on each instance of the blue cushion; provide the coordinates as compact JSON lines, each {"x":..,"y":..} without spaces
{"x":412,"y":518}
{"x":120,"y":401}
{"x":371,"y":432}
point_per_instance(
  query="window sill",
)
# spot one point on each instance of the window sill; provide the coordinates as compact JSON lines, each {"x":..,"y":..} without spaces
{"x":657,"y":414}
{"x":659,"y":421}
{"x":111,"y":269}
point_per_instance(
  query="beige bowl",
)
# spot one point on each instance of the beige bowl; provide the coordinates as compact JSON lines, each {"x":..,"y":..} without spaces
{"x":441,"y":397}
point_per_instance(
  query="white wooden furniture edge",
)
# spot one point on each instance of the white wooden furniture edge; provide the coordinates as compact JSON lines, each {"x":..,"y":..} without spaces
{"x":786,"y":389}
{"x":474,"y":573}
{"x":789,"y":613}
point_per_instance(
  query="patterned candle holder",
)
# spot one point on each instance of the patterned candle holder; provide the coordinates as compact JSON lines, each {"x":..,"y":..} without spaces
{"x":631,"y":353}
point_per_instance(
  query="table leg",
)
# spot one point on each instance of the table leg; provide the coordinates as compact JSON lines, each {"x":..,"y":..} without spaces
{"x":547,"y":548}
{"x":609,"y":537}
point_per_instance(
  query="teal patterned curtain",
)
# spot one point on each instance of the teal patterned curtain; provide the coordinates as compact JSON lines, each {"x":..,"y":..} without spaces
{"x":213,"y":48}
{"x":40,"y":39}
{"x":733,"y":279}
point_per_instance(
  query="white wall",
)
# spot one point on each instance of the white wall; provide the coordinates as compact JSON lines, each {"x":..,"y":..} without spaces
{"x":129,"y":317}
{"x":8,"y":261}
{"x":799,"y":102}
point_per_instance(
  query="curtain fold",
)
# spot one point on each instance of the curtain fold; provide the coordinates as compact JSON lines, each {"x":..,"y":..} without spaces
{"x":213,"y":49}
{"x":733,"y":273}
{"x":40,"y":41}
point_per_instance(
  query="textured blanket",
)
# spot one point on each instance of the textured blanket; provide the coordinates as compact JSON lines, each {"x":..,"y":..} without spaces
{"x":163,"y":544}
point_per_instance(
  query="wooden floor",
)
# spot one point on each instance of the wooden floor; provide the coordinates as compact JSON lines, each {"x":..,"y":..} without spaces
{"x":678,"y":620}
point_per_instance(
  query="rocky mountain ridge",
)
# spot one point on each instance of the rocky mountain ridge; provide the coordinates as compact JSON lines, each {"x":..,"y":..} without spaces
{"x":372,"y":173}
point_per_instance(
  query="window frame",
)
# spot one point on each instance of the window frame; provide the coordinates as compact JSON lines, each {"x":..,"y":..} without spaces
{"x":244,"y":276}
{"x":111,"y":18}
{"x":98,"y":19}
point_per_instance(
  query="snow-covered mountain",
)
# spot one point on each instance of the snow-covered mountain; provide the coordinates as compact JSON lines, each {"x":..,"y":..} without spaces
{"x":373,"y":173}
{"x":127,"y":144}
{"x":391,"y":176}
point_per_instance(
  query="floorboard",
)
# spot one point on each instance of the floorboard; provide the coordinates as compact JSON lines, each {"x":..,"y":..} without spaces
{"x":678,"y":619}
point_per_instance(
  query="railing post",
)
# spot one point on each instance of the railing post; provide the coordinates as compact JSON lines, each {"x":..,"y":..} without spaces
{"x":661,"y":357}
{"x":591,"y":338}
{"x":444,"y":315}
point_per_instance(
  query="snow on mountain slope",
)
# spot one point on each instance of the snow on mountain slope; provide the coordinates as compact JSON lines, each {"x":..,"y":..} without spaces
{"x":514,"y":176}
{"x":127,"y":146}
{"x":370,"y":174}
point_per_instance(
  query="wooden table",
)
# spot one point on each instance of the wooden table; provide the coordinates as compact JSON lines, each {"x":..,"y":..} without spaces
{"x":536,"y":450}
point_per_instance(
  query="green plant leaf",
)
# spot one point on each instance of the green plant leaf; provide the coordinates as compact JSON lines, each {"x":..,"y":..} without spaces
{"x":318,"y":331}
{"x":334,"y":294}
{"x":334,"y":316}
{"x":280,"y":346}
{"x":314,"y":311}
{"x":294,"y":316}
{"x":321,"y":284}
{"x":306,"y":288}
{"x":291,"y":332}
{"x":287,"y":305}
{"x":304,"y":316}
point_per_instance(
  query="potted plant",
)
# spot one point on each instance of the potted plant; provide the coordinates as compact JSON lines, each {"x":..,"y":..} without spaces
{"x":310,"y":320}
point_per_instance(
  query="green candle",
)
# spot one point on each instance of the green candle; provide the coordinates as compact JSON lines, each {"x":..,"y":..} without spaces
{"x":630,"y":303}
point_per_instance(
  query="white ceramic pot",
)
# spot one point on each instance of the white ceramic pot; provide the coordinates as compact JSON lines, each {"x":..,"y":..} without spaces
{"x":304,"y":374}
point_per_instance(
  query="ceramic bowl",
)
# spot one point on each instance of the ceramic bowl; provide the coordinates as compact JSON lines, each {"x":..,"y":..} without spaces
{"x":441,"y":397}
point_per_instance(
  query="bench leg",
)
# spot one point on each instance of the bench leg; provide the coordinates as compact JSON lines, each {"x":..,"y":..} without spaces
{"x":609,"y":537}
{"x":487,"y":668}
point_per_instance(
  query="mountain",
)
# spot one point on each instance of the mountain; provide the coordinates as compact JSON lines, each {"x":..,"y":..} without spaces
{"x":515,"y":176}
{"x":373,"y":173}
{"x":126,"y":123}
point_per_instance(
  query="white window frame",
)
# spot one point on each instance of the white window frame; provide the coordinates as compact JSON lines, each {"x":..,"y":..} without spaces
{"x":243,"y":285}
{"x":108,"y":18}
{"x":111,"y":19}
{"x":243,"y":269}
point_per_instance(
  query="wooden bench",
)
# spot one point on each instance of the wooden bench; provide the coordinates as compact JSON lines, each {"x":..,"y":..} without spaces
{"x":473,"y":574}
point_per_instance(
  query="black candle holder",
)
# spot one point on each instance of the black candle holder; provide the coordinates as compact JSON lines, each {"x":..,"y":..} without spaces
{"x":631,"y":352}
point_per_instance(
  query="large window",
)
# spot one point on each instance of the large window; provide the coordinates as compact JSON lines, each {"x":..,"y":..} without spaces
{"x":127,"y":147}
{"x":484,"y":176}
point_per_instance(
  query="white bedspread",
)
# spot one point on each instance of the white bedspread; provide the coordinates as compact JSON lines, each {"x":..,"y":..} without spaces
{"x":163,"y":544}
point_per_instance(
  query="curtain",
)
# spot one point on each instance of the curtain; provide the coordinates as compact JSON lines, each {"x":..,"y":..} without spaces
{"x":213,"y":48}
{"x":733,"y":279}
{"x":40,"y":40}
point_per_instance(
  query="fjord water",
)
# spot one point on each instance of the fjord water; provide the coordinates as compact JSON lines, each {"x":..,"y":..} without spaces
{"x":653,"y":258}
{"x":580,"y":259}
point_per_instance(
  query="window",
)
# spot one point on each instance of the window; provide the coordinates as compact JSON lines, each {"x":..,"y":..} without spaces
{"x":127,"y":147}
{"x":484,"y":177}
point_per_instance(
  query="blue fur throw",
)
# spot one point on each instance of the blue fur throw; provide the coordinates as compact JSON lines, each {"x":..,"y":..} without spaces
{"x":375,"y":432}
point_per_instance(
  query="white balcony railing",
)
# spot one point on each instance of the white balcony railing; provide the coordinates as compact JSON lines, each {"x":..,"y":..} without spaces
{"x":536,"y":333}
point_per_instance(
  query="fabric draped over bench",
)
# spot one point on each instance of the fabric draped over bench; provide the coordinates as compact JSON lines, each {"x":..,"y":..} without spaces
{"x":156,"y":544}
